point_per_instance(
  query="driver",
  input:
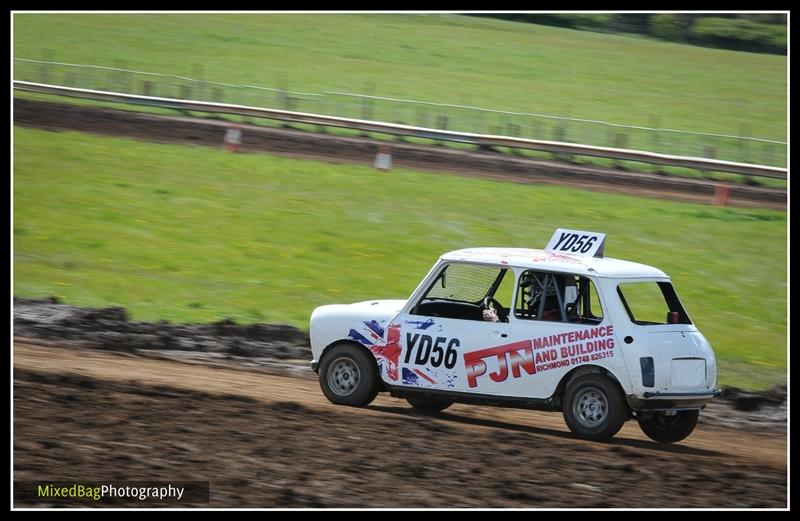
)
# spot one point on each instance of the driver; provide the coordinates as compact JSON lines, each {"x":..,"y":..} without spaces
{"x":493,"y":311}
{"x":533,"y":293}
{"x":490,"y":315}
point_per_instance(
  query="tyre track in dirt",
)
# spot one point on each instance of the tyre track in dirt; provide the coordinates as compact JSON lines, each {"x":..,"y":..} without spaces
{"x":271,"y":440}
{"x":325,"y":147}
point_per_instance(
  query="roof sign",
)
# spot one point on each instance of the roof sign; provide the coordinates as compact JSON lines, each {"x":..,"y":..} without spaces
{"x":577,"y":242}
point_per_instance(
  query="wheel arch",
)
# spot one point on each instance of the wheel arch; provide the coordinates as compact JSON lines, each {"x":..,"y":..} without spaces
{"x":583,"y":370}
{"x":357,"y":345}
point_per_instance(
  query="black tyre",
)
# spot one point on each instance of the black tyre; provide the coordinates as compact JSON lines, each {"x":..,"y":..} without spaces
{"x":348,"y":376}
{"x":669,"y":429}
{"x":429,"y":403}
{"x":594,"y":408}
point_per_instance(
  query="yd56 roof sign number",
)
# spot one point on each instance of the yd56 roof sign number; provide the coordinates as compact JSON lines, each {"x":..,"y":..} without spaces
{"x":576,"y":241}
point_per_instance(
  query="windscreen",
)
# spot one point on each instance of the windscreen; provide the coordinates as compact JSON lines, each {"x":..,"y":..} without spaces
{"x":463,"y":283}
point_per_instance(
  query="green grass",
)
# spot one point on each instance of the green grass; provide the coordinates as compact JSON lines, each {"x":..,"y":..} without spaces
{"x":440,"y":58}
{"x":194,"y":234}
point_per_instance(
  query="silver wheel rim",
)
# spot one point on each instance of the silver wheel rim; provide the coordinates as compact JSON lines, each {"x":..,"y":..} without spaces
{"x":590,"y":407}
{"x":343,"y":376}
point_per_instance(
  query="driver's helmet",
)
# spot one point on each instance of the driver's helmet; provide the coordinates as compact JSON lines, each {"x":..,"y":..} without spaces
{"x":532,"y":290}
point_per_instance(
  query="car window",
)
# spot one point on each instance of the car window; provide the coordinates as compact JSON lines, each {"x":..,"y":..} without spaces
{"x":463,"y":283}
{"x":459,"y":291}
{"x":652,"y":303}
{"x":557,"y":297}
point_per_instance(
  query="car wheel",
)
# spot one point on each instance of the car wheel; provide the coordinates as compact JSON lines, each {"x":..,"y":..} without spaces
{"x":348,"y":376}
{"x":669,"y":429}
{"x":429,"y":403}
{"x":594,"y":408}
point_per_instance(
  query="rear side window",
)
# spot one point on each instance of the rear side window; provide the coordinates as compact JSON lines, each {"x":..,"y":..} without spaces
{"x":652,"y":303}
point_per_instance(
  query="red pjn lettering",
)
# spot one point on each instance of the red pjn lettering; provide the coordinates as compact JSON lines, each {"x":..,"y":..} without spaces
{"x":476,"y":366}
{"x":523,"y":359}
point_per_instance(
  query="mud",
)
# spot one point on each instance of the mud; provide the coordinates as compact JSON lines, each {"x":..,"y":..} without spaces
{"x":749,"y":410}
{"x":272,"y":451}
{"x":271,"y":345}
{"x":482,"y":163}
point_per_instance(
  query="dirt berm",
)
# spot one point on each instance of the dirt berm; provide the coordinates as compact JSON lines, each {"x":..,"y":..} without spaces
{"x":56,"y":116}
{"x":267,"y":345}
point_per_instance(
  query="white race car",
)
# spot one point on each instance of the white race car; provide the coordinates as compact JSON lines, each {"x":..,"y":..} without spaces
{"x":559,"y":329}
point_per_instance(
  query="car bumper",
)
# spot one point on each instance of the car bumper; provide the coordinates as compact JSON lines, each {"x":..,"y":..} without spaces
{"x":654,"y":401}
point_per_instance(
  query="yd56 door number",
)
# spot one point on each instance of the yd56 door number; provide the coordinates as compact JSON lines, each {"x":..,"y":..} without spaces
{"x":436,"y":351}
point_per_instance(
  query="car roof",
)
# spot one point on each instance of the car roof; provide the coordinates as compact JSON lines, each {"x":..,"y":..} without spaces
{"x":555,"y":261}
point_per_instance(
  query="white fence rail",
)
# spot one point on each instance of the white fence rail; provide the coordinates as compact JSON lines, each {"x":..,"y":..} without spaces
{"x":569,"y":149}
{"x":742,"y":148}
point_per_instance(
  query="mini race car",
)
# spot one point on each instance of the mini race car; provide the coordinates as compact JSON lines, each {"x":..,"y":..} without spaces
{"x":561,"y":329}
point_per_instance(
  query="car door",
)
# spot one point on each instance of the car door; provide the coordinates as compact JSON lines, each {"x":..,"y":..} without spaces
{"x":543,"y":339}
{"x":431,"y":351}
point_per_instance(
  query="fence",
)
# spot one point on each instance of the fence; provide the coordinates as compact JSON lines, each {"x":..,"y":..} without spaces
{"x":742,"y":148}
{"x":559,"y":148}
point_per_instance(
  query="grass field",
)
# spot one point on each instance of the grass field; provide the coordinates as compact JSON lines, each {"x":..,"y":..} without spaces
{"x":194,"y":234}
{"x":440,"y":58}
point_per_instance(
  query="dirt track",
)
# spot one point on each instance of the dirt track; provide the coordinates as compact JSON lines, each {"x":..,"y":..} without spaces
{"x":266,"y":440}
{"x":493,"y":165}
